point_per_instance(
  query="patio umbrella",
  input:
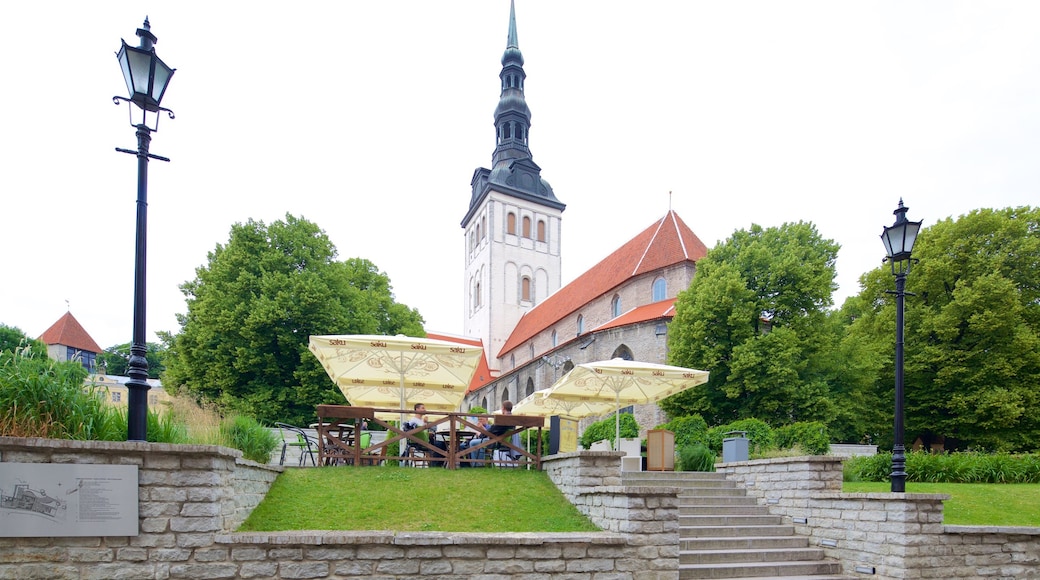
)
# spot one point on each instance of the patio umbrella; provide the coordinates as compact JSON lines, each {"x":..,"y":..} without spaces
{"x":398,"y":371}
{"x":539,"y":404}
{"x":624,"y":381}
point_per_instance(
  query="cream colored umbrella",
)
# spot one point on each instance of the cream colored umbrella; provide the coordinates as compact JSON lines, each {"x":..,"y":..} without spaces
{"x":398,"y":371}
{"x":624,"y":382}
{"x":540,"y":405}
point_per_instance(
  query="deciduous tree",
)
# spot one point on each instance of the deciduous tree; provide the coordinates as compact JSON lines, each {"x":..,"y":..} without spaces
{"x":252,"y":308}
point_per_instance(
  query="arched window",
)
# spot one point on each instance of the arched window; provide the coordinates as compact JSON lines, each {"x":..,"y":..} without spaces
{"x":660,"y":289}
{"x":530,"y":386}
{"x":525,"y":289}
{"x":483,"y":403}
{"x":483,"y":227}
{"x":541,"y":230}
{"x":623,"y":352}
{"x":476,"y":295}
{"x":511,"y":223}
{"x":555,"y":340}
{"x":512,"y":361}
{"x":615,"y":306}
{"x":527,"y":227}
{"x":530,"y":351}
{"x":581,"y":324}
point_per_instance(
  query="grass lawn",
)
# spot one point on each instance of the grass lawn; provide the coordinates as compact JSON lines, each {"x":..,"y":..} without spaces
{"x":974,"y":504}
{"x":410,"y":499}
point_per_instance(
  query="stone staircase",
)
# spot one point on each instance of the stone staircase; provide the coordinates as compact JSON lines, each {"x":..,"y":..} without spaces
{"x":723,"y":533}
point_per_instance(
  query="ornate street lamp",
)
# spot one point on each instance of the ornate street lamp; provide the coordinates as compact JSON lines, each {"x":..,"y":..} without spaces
{"x":146,"y":78}
{"x":899,"y":241}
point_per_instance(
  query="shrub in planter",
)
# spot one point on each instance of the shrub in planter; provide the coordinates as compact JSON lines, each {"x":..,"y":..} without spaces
{"x":604,"y":429}
{"x":696,"y":457}
{"x":810,"y":436}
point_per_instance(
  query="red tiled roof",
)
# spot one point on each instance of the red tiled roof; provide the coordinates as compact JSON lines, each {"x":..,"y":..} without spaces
{"x":668,"y":241}
{"x":645,"y":313}
{"x":483,"y":375}
{"x":67,"y":331}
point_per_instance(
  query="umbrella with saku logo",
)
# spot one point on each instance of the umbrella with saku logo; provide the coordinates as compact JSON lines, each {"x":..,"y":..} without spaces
{"x":398,"y":371}
{"x":624,"y":382}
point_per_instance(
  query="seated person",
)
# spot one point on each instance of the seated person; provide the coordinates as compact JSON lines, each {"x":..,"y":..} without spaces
{"x":416,"y":421}
{"x":474,"y":441}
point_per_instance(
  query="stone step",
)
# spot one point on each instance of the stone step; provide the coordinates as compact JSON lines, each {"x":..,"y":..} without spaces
{"x":714,"y":510}
{"x":720,"y":501}
{"x":750,"y":556}
{"x":730,"y":520}
{"x":786,"y":570}
{"x":693,"y":492}
{"x":664,"y":476}
{"x":733,"y":531}
{"x":744,"y":543}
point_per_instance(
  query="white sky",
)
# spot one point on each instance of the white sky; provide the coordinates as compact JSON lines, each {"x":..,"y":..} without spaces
{"x":369,"y":118}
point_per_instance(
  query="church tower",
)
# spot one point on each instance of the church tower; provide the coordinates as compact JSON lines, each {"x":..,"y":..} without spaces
{"x":513,"y":224}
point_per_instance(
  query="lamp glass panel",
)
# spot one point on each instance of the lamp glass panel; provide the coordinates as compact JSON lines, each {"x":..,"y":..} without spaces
{"x":140,"y":67}
{"x":125,"y":65}
{"x":162,"y":77}
{"x":886,"y":238}
{"x":911,"y":236}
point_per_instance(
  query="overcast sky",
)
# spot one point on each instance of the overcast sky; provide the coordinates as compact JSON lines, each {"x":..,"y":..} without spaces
{"x":369,"y":119}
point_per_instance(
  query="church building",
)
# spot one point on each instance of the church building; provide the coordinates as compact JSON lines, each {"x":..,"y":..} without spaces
{"x":533,"y":328}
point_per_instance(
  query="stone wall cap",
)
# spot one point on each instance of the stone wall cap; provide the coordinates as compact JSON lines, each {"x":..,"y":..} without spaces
{"x":886,"y":496}
{"x":1012,"y":530}
{"x":341,"y":537}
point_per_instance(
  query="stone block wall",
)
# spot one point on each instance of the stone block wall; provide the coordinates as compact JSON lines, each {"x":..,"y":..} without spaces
{"x":884,"y":535}
{"x":193,"y":497}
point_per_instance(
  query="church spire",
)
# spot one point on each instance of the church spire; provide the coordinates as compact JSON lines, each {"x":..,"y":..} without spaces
{"x":512,"y":117}
{"x":513,"y":171}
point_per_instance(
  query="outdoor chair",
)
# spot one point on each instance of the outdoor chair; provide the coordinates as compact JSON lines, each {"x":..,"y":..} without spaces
{"x":302,"y":441}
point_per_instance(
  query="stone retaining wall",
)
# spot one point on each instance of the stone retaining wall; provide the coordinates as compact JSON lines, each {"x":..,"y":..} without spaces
{"x":192,"y":497}
{"x":884,"y":535}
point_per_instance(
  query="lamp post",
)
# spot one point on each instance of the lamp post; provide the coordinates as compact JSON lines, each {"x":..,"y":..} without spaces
{"x":899,"y":241}
{"x":146,"y":78}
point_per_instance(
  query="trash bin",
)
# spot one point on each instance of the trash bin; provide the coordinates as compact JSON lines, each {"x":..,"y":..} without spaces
{"x":735,"y":448}
{"x":660,"y":450}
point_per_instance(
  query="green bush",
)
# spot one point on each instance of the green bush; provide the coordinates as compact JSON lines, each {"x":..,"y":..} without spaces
{"x":927,"y":467}
{"x":696,"y":457}
{"x":688,"y":430}
{"x":760,"y":435}
{"x":254,"y":440}
{"x":811,"y":436}
{"x":604,"y":429}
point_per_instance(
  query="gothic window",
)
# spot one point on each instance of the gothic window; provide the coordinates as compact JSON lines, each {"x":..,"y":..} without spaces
{"x":530,"y":386}
{"x":512,"y":361}
{"x":581,"y":325}
{"x":555,"y":340}
{"x":615,"y":306}
{"x":623,"y":352}
{"x":525,"y":289}
{"x":511,"y":223}
{"x":530,"y":351}
{"x":541,"y":230}
{"x":483,"y":227}
{"x":527,"y":227}
{"x":660,"y":289}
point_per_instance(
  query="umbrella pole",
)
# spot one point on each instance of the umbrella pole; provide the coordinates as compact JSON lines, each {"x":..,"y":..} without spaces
{"x":617,"y":420}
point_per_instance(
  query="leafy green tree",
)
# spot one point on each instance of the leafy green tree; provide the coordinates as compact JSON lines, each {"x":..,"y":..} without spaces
{"x":756,"y":317}
{"x":972,"y":344}
{"x":12,"y":338}
{"x":253,"y":307}
{"x":116,"y":359}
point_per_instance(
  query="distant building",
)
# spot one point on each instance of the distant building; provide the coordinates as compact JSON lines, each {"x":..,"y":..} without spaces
{"x":532,"y":328}
{"x":67,"y":340}
{"x":117,"y":394}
